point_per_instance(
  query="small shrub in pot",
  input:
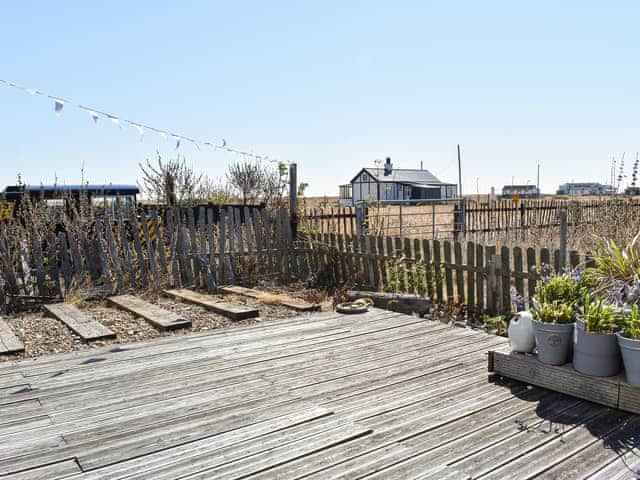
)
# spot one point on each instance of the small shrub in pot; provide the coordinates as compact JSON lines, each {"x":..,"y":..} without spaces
{"x":554,"y":314}
{"x":553,"y":325}
{"x":595,"y":345}
{"x":629,"y":342}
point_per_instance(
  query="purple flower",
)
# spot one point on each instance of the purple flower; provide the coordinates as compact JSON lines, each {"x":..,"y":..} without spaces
{"x":517,"y":301}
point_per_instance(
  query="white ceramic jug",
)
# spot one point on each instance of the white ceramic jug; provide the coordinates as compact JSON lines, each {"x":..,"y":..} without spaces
{"x":520,"y":333}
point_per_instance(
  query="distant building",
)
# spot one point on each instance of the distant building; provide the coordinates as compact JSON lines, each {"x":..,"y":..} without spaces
{"x":392,"y":185}
{"x":523,"y":191}
{"x":585,"y":188}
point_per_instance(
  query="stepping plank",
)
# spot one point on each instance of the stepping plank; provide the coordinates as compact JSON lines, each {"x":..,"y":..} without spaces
{"x":156,"y":316}
{"x":9,"y":343}
{"x":79,"y":321}
{"x":287,"y":301}
{"x":234,"y":311}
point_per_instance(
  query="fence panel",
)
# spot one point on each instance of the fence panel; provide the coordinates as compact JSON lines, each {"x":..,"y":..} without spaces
{"x":105,"y":255}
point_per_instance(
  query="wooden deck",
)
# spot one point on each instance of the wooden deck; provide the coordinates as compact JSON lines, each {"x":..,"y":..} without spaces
{"x":322,"y":396}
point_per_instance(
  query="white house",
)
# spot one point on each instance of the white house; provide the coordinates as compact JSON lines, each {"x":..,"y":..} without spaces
{"x":390,"y":185}
{"x":584,"y":188}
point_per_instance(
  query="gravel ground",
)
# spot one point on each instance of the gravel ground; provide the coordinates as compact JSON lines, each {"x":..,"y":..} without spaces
{"x":42,"y":335}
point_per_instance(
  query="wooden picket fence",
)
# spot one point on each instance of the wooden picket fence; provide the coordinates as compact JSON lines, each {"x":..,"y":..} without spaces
{"x":450,"y":220}
{"x":103,"y":256}
{"x":340,"y":220}
{"x":507,"y":215}
{"x":481,"y":277}
{"x":91,"y":255}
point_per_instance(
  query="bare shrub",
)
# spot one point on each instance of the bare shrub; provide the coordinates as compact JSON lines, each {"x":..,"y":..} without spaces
{"x":170,"y":181}
{"x":255,"y":181}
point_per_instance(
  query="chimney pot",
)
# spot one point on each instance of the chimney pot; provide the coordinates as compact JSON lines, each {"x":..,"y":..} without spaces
{"x":388,"y":167}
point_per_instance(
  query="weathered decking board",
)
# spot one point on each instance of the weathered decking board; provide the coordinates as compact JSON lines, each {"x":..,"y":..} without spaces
{"x":610,"y":391}
{"x":78,"y":321}
{"x":374,"y":396}
{"x":234,"y":311}
{"x":158,"y":317}
{"x":9,"y":343}
{"x":285,"y":300}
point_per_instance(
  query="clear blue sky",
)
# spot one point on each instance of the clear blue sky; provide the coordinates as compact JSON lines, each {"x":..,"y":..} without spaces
{"x":330,"y":85}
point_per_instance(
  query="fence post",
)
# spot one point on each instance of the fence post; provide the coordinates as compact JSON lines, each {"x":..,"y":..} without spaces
{"x":491,"y":286}
{"x":293,"y":199}
{"x":463,"y":218}
{"x":563,"y":239}
{"x":400,"y":220}
{"x":360,"y":219}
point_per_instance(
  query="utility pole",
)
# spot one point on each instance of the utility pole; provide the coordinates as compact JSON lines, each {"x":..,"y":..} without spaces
{"x":538,"y":179}
{"x":459,"y":174}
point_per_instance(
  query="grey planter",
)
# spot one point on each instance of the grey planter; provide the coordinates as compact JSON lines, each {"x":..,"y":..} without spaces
{"x":554,"y":342}
{"x":630,"y":350}
{"x":595,"y":354}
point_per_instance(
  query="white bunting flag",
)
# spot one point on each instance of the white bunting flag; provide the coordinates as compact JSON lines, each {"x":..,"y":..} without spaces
{"x":30,"y":91}
{"x":139,"y":128}
{"x":115,"y":120}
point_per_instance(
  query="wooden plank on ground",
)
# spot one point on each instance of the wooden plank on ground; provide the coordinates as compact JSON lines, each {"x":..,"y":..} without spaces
{"x":235,"y":311}
{"x":48,"y":472}
{"x":285,"y":300}
{"x":9,"y":343}
{"x":158,"y":317}
{"x":78,"y":321}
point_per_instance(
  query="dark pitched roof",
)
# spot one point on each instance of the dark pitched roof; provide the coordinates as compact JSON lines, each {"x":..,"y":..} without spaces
{"x":405,"y":175}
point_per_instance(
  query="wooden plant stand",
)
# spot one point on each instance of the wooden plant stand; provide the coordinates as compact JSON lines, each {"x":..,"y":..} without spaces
{"x":613,"y":391}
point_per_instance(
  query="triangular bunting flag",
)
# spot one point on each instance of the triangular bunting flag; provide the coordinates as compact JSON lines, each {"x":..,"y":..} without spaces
{"x":115,"y":120}
{"x":139,"y":128}
{"x":93,"y":114}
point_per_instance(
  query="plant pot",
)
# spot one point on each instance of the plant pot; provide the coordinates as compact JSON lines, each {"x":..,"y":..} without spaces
{"x":520,"y":333}
{"x":595,"y":354}
{"x":554,"y":341}
{"x":630,"y":350}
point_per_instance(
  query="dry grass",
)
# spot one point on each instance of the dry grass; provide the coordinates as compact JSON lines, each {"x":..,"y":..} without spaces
{"x":272,"y":299}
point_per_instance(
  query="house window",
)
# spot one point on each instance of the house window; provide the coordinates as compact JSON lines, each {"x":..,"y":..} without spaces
{"x":364,"y":177}
{"x":345,"y":192}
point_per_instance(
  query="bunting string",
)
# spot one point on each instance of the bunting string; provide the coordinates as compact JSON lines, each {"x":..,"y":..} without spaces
{"x":60,"y":103}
